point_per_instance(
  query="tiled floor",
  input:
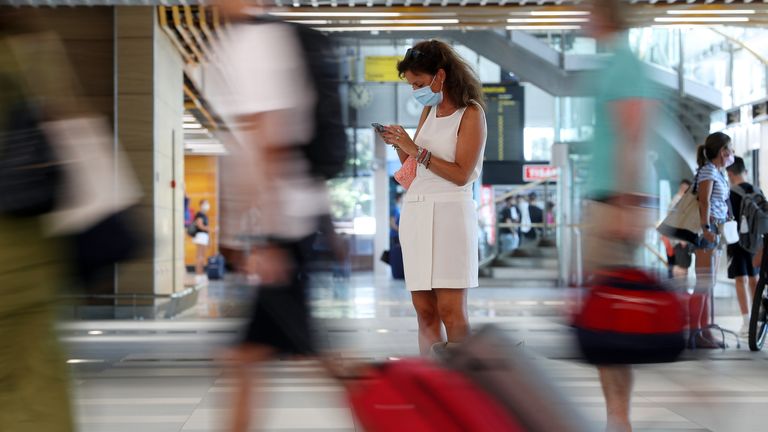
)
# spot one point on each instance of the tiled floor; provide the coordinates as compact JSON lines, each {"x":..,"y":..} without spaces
{"x":163,"y":376}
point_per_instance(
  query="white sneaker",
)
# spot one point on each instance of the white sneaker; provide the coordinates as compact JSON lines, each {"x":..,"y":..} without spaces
{"x":744,"y":331}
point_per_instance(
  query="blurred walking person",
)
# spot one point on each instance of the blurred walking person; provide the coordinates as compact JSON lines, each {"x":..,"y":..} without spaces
{"x":279,"y":74}
{"x":34,"y":393}
{"x":438,"y":225}
{"x":619,"y":178}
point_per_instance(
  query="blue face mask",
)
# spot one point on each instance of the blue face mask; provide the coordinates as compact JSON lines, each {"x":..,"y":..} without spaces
{"x":426,"y":96}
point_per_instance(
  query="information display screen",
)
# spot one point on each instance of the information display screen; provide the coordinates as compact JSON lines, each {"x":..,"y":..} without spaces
{"x":506,"y":119}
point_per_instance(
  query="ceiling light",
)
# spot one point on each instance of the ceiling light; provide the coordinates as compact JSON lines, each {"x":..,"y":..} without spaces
{"x":410,"y":21}
{"x":81,"y":361}
{"x":363,"y":29}
{"x":545,"y":27}
{"x":95,"y":332}
{"x":711,"y":12}
{"x":547,"y":20}
{"x":337,"y":14}
{"x":701,"y":19}
{"x":685,"y":26}
{"x":310,"y":22}
{"x":559,"y":13}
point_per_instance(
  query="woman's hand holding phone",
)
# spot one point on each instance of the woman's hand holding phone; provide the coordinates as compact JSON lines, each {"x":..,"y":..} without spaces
{"x":397,"y":136}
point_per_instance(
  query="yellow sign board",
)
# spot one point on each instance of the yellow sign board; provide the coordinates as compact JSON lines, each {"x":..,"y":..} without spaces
{"x":381,"y":69}
{"x":495,"y":90}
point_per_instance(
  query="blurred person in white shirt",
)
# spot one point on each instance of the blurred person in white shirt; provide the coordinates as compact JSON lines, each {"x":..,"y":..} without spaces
{"x":271,"y":106}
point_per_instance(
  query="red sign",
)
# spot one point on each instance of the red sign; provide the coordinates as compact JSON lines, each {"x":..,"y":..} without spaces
{"x":538,"y":172}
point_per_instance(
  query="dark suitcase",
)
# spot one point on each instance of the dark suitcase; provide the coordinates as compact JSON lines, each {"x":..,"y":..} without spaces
{"x":396,"y":262}
{"x":416,"y":395}
{"x":216,"y":267}
{"x":497,"y":365}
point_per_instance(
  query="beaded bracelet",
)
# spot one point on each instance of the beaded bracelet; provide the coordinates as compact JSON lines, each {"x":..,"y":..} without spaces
{"x":427,"y":160}
{"x":424,"y":156}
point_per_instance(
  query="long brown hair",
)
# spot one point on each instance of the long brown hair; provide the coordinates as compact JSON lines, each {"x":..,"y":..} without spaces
{"x":711,"y":148}
{"x":461,"y":84}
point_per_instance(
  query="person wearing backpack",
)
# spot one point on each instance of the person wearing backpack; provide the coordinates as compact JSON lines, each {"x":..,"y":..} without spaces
{"x":741,"y":261}
{"x":282,"y":102}
{"x":201,"y":237}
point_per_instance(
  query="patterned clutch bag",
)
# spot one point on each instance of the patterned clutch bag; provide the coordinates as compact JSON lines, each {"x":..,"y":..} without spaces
{"x":406,"y":173}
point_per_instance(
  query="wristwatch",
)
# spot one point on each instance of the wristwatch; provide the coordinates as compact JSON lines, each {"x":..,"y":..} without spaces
{"x":707,"y":227}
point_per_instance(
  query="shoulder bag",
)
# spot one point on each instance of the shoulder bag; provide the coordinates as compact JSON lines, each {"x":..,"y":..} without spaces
{"x":683,"y":221}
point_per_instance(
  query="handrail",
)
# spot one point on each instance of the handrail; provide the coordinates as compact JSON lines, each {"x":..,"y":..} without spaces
{"x":119,"y":296}
{"x":656,"y":253}
{"x":116,"y":296}
{"x":736,"y":41}
{"x":517,"y":191}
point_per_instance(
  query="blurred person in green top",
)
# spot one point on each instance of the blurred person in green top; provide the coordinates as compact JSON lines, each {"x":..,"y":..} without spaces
{"x":618,"y":189}
{"x":34,"y":393}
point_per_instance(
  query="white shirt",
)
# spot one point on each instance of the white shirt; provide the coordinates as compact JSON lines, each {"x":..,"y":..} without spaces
{"x":265,"y":73}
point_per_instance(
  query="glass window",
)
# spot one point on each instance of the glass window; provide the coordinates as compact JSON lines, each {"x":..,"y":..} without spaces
{"x":537,"y":143}
{"x":352,"y":196}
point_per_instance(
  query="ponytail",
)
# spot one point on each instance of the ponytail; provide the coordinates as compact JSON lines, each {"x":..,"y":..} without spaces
{"x":701,"y":156}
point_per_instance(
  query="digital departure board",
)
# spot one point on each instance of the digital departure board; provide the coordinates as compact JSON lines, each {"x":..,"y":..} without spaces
{"x":506,"y":118}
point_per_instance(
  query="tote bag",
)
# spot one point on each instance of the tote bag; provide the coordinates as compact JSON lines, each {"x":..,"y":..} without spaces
{"x":683,"y":222}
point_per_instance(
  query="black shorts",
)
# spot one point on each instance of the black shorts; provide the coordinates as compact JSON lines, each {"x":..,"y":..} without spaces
{"x":683,"y":255}
{"x":280,"y":318}
{"x":740,"y":262}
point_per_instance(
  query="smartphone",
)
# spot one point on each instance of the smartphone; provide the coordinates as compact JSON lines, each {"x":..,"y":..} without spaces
{"x":379,"y":127}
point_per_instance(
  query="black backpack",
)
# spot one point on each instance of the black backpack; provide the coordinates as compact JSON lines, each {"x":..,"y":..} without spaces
{"x":30,"y":174}
{"x":754,"y":213}
{"x":327,"y":150}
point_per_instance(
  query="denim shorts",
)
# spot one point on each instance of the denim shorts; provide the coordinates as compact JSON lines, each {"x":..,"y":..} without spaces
{"x":703,"y":243}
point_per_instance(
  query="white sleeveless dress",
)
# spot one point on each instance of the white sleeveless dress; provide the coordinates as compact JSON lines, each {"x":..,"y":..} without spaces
{"x":438,"y":221}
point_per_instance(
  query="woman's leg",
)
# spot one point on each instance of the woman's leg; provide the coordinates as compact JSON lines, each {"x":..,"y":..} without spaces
{"x":430,"y":329}
{"x":243,"y":403}
{"x":200,"y":260}
{"x":752,"y":288}
{"x":452,"y":308}
{"x":706,"y":265}
{"x":742,"y":295}
{"x":616,"y":382}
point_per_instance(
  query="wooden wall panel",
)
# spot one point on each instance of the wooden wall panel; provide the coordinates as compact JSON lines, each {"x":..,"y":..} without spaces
{"x":201,"y":179}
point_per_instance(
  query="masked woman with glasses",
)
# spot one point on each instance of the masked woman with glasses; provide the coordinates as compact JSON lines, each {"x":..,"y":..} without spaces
{"x":438,"y":222}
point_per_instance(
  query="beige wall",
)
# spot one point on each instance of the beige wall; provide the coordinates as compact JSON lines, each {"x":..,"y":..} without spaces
{"x":169,"y":164}
{"x":149,"y":125}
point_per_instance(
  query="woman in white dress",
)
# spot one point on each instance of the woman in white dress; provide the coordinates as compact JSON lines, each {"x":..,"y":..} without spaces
{"x":438,"y":222}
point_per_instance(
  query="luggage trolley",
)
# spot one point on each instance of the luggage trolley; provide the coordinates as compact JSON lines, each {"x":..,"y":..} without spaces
{"x":758,"y":321}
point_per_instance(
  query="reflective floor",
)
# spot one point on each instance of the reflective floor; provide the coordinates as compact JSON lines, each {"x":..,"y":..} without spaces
{"x":172,"y":375}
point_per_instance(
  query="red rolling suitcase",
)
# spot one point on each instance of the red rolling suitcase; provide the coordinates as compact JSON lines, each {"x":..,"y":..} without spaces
{"x":498,"y":365}
{"x":418,"y":396}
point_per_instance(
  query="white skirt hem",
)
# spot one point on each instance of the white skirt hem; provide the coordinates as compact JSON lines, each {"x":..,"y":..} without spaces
{"x":453,"y":284}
